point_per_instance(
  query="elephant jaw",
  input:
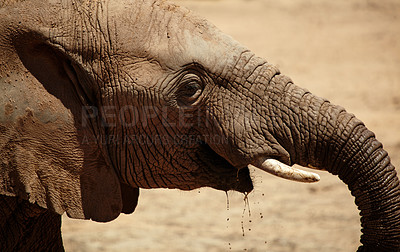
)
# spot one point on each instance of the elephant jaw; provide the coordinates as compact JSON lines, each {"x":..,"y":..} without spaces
{"x":282,"y":170}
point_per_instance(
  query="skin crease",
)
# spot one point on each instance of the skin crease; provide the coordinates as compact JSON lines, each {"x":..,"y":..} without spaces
{"x":189,"y":94}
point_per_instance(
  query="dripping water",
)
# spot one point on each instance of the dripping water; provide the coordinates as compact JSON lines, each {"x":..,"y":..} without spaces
{"x":247,"y":218}
{"x":227,"y":200}
{"x":246,"y":204}
{"x":246,"y":207}
{"x":227,"y":208}
{"x":227,"y":218}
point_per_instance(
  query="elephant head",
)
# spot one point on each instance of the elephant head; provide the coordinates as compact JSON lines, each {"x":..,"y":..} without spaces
{"x":101,"y":98}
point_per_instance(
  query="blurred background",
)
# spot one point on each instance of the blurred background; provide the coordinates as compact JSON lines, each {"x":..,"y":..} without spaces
{"x":347,"y":51}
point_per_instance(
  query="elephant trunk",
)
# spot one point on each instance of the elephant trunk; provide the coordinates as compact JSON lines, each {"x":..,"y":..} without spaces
{"x":320,"y":135}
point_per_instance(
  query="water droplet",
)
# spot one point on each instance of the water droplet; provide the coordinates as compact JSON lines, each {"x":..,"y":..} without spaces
{"x":227,"y":200}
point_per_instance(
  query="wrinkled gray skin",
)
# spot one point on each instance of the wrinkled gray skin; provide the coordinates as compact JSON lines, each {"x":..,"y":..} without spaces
{"x":100,"y":98}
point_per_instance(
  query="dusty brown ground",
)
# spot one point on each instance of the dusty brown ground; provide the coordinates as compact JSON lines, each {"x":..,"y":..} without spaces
{"x":346,"y":51}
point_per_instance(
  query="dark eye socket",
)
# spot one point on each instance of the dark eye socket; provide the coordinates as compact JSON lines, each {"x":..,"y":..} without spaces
{"x":190,"y":89}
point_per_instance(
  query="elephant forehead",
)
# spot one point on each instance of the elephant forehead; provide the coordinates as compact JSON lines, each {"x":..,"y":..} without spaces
{"x":213,"y":51}
{"x":174,"y":37}
{"x":198,"y":42}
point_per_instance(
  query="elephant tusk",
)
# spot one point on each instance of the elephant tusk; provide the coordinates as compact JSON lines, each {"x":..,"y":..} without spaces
{"x":284,"y":171}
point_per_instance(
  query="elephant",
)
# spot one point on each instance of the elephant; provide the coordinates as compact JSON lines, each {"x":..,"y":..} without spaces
{"x":100,"y":98}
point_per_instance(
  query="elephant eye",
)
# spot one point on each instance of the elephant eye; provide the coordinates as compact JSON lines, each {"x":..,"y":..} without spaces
{"x":190,"y":90}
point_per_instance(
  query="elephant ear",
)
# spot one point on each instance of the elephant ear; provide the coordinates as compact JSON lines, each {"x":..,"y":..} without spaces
{"x":50,"y":150}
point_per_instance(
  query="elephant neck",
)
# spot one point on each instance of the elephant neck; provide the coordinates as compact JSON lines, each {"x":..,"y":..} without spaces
{"x":28,"y":227}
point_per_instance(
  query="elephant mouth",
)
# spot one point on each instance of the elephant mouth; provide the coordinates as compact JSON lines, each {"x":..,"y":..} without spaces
{"x":222,"y":175}
{"x":238,"y":178}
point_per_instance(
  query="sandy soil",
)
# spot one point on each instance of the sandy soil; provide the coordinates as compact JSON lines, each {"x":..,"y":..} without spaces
{"x":346,"y":51}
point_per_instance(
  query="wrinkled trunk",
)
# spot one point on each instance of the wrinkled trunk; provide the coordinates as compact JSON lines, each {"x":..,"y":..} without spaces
{"x":318,"y":134}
